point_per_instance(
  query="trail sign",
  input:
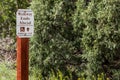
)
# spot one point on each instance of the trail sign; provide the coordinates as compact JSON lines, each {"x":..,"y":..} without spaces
{"x":24,"y":30}
{"x":25,"y":23}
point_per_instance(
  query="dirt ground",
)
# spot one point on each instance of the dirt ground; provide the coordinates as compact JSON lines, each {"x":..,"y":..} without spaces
{"x":7,"y":49}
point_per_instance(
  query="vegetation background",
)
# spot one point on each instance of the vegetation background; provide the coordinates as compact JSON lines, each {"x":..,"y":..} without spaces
{"x":73,"y":39}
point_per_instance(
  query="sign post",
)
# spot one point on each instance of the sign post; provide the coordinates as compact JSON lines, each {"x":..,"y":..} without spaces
{"x":24,"y":30}
{"x":22,"y":58}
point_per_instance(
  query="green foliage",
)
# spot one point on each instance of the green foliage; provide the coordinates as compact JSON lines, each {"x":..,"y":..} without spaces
{"x":6,"y":71}
{"x":58,"y":75}
{"x":100,"y":28}
{"x":77,"y":36}
{"x":35,"y":74}
{"x":52,"y":46}
{"x":8,"y":10}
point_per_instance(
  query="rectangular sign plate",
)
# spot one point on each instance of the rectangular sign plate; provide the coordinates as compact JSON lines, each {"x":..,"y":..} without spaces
{"x":25,"y":23}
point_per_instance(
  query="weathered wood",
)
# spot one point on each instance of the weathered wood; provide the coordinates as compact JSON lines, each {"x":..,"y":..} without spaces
{"x":22,"y":58}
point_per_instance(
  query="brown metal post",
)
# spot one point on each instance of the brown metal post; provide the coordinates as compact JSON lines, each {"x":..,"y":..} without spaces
{"x":22,"y":58}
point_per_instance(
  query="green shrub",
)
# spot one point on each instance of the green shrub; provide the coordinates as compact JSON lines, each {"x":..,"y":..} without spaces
{"x":52,"y":46}
{"x":77,"y":36}
{"x":58,"y":75}
{"x":7,"y":72}
{"x":99,"y":25}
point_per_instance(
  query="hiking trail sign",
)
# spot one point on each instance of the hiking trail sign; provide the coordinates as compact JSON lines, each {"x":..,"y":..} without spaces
{"x":24,"y":30}
{"x":25,"y":23}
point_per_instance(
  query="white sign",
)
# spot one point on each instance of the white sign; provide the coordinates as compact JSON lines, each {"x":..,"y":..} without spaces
{"x":25,"y":23}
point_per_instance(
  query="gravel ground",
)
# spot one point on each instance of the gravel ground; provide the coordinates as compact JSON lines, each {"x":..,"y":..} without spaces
{"x":7,"y":49}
